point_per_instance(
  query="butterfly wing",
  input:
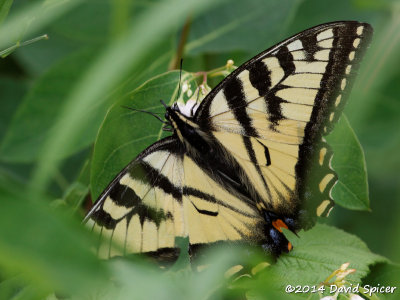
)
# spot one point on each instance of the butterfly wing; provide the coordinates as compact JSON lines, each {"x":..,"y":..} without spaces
{"x":266,"y":120}
{"x":164,"y":194}
{"x":141,"y":210}
{"x":272,"y":112}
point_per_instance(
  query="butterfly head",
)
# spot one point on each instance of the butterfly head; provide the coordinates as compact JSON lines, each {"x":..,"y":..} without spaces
{"x":179,"y":117}
{"x":181,"y":120}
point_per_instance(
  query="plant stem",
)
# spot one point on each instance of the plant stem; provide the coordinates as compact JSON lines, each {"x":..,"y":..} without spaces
{"x":175,"y":62}
{"x":4,"y":53}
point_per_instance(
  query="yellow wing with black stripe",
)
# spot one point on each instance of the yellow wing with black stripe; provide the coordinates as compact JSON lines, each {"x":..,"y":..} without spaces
{"x":162,"y":195}
{"x":272,"y":112}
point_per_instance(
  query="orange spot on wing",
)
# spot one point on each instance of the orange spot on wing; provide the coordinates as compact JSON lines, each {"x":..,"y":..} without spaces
{"x":289,"y":246}
{"x":278,"y":224}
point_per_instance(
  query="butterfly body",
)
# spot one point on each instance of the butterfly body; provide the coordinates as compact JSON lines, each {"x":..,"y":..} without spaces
{"x":248,"y":161}
{"x":205,"y":150}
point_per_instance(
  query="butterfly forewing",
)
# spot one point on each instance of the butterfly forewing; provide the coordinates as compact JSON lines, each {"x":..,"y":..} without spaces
{"x":274,"y":109}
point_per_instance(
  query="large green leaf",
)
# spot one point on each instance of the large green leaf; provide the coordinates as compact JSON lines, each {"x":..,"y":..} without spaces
{"x":351,"y":190}
{"x":125,"y":133}
{"x":316,"y":254}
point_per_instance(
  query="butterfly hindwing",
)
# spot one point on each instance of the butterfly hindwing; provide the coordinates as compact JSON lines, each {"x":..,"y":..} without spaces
{"x":141,"y":210}
{"x":164,"y":194}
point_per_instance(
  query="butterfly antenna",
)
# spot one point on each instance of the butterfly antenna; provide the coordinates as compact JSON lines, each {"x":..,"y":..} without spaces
{"x":163,"y":103}
{"x":147,"y":112}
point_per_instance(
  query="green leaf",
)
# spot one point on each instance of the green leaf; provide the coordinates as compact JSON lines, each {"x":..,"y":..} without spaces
{"x":85,"y":26}
{"x":75,"y":195}
{"x":124,"y":133}
{"x":44,"y":246}
{"x":314,"y":12}
{"x":36,"y":116}
{"x":317,"y":253}
{"x":371,"y":4}
{"x":250,"y":26}
{"x":14,"y":288}
{"x":182,"y":284}
{"x":39,"y":57}
{"x":121,"y":10}
{"x":351,"y":190}
{"x":11,"y":93}
{"x":379,"y":134}
{"x":5,"y":6}
{"x":88,"y":23}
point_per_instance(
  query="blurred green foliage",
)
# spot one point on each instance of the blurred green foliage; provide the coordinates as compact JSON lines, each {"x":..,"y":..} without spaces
{"x":63,"y":133}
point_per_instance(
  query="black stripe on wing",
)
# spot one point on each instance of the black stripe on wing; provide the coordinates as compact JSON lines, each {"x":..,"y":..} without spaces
{"x":154,"y":178}
{"x":235,"y":97}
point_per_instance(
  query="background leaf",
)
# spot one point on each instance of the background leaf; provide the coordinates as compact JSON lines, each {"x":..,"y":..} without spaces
{"x":36,"y":231}
{"x":231,"y":26}
{"x":86,"y":26}
{"x":5,"y":6}
{"x":351,"y":190}
{"x":36,"y":115}
{"x":33,"y":17}
{"x":11,"y":92}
